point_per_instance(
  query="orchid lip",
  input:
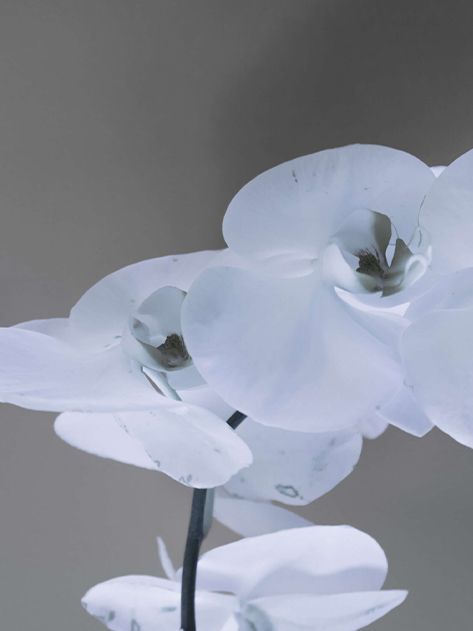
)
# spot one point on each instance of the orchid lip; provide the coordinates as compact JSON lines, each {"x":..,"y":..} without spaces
{"x":153,"y":336}
{"x":361,"y":258}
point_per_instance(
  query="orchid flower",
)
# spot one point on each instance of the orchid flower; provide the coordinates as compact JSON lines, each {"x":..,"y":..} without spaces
{"x":121,"y":351}
{"x":305,"y":337}
{"x":319,"y":578}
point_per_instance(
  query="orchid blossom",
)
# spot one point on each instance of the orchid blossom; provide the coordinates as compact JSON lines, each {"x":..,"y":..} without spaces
{"x":306,"y":336}
{"x":315,"y":578}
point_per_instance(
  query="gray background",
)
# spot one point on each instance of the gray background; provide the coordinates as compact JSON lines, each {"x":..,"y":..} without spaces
{"x":125,"y":129}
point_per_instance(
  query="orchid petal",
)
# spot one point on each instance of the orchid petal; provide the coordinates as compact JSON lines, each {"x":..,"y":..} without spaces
{"x":188,"y":443}
{"x":404,"y":412}
{"x":294,"y":467}
{"x":317,"y":559}
{"x":438,"y":356}
{"x":100,"y":316}
{"x":446,"y":214}
{"x":284,"y":350}
{"x":146,"y":603}
{"x":45,"y":373}
{"x":250,"y":518}
{"x":334,"y":612}
{"x":292,"y":209}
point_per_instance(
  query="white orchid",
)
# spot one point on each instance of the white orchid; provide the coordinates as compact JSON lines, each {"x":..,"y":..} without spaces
{"x":290,"y":467}
{"x":319,"y":578}
{"x":306,"y":337}
{"x":437,"y":348}
{"x":121,"y":341}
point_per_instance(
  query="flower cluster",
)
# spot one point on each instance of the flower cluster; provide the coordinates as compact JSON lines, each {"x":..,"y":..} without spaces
{"x":342,"y":304}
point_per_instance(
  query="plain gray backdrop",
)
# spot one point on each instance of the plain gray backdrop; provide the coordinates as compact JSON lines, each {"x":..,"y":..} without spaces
{"x":125,"y":129}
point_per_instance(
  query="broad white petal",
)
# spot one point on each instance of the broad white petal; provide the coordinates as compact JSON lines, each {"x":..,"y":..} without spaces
{"x":292,"y":209}
{"x":305,"y":612}
{"x":317,"y":559}
{"x":186,"y":442}
{"x":446,"y":214}
{"x":100,"y":316}
{"x":404,"y":412}
{"x":145,"y":603}
{"x":41,"y":372}
{"x":250,"y":518}
{"x":54,"y":327}
{"x":287,"y":352}
{"x":294,"y":467}
{"x":438,"y":357}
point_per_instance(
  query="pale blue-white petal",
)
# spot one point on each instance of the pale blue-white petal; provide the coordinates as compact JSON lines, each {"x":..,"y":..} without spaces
{"x":404,"y":412}
{"x":292,"y":209}
{"x":438,"y":357}
{"x":314,"y":560}
{"x":145,"y":603}
{"x":188,"y":443}
{"x":305,"y":612}
{"x":250,"y":518}
{"x":446,"y":214}
{"x":100,"y":316}
{"x":294,"y":467}
{"x":287,"y":352}
{"x":45,"y":373}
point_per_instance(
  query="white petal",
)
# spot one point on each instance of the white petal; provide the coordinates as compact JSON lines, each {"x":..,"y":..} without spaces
{"x":186,"y":442}
{"x":446,"y":214}
{"x":250,"y":519}
{"x":404,"y":412}
{"x":438,"y":356}
{"x":102,"y":312}
{"x":317,"y":559}
{"x":287,"y":352}
{"x":44,"y":373}
{"x":305,"y":612}
{"x":145,"y":603}
{"x":293,"y":208}
{"x":452,"y":291}
{"x":294,"y":467}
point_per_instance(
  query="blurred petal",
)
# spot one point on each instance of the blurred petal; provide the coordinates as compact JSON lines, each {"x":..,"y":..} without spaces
{"x":438,"y":356}
{"x":101,"y":314}
{"x":373,"y":426}
{"x":250,"y":519}
{"x":404,"y":412}
{"x":438,"y":170}
{"x":317,"y":559}
{"x":294,"y":467}
{"x":293,"y":208}
{"x":186,"y":442}
{"x":145,"y":603}
{"x":287,"y":352}
{"x":304,"y":612}
{"x":446,"y":214}
{"x":41,"y":372}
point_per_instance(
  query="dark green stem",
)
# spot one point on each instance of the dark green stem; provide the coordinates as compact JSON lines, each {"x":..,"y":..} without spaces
{"x":195,"y":535}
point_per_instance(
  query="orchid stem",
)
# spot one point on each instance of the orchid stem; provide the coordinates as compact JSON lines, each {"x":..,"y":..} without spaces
{"x":202,"y":504}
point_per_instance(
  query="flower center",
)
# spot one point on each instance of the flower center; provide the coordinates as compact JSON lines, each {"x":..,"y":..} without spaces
{"x":153,"y":336}
{"x":173,"y":352}
{"x":362,"y":259}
